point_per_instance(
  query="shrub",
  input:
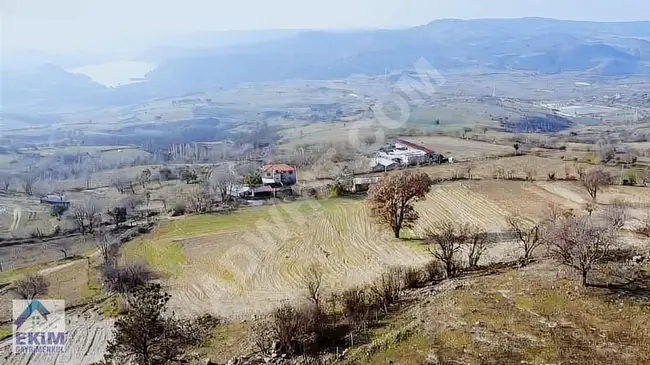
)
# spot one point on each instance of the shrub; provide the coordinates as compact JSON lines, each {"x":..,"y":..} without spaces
{"x":296,"y":330}
{"x":551,"y":176}
{"x":434,"y":271}
{"x":357,"y":305}
{"x":386,"y":288}
{"x":412,"y":278}
{"x":31,"y":286}
{"x":127,"y":278}
{"x":179,"y":209}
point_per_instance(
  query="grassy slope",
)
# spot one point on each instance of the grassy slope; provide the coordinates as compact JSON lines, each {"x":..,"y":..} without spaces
{"x":163,"y":251}
{"x":526,"y":316}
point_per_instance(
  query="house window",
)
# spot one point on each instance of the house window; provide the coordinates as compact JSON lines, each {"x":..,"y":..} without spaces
{"x":277,"y":171}
{"x":268,"y":174}
{"x":290,"y":172}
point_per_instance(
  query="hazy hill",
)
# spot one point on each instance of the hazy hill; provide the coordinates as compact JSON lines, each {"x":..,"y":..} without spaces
{"x":540,"y":45}
{"x":224,"y":59}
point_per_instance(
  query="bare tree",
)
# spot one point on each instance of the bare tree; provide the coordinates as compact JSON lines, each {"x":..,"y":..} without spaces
{"x":5,"y":181}
{"x":580,"y":243}
{"x":86,"y":215}
{"x":478,"y":241}
{"x":616,"y":214}
{"x":528,"y":235}
{"x":31,"y":286}
{"x":107,"y":248}
{"x":199,"y":199}
{"x":223,"y":182}
{"x":448,"y":239}
{"x":580,"y":171}
{"x":122,"y":184}
{"x":595,"y":180}
{"x":313,"y":283}
{"x":27,"y":181}
{"x":590,"y":207}
{"x":144,"y":177}
{"x":392,"y":198}
{"x":607,"y":153}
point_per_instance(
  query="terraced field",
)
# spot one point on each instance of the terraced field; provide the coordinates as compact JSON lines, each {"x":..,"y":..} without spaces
{"x":248,"y":261}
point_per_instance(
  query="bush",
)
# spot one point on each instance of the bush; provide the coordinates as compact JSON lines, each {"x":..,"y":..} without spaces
{"x":127,"y":278}
{"x":179,"y":209}
{"x":434,"y":271}
{"x":412,"y":278}
{"x":31,"y":286}
{"x":296,"y":330}
{"x":357,"y":305}
{"x":386,"y":288}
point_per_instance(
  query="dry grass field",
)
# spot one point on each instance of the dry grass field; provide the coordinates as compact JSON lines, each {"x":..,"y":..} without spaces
{"x":461,"y":149}
{"x":256,"y":258}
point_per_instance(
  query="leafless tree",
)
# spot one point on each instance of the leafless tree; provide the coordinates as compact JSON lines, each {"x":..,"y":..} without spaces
{"x":478,"y":241}
{"x":580,"y":243}
{"x":87,"y":215}
{"x":448,"y":240}
{"x":5,"y":181}
{"x":122,"y":184}
{"x":31,"y":286}
{"x":199,"y":199}
{"x":530,"y":169}
{"x":590,"y":207}
{"x":595,"y":180}
{"x":313,"y":283}
{"x":607,"y":153}
{"x":223,"y":182}
{"x":580,"y":171}
{"x":528,"y":235}
{"x":144,"y":177}
{"x":27,"y":181}
{"x":616,"y":214}
{"x":107,"y":247}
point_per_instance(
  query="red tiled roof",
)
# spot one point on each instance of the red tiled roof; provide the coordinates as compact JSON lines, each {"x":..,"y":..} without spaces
{"x":415,"y":145}
{"x":278,"y":167}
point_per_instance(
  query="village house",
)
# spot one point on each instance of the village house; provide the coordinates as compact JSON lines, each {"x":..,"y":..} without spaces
{"x":402,"y":153}
{"x":279,"y":175}
{"x":55,"y":200}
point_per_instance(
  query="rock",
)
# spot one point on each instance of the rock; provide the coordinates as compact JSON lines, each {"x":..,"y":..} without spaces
{"x":267,"y":360}
{"x":432,"y":359}
{"x":206,"y":361}
{"x":345,"y":352}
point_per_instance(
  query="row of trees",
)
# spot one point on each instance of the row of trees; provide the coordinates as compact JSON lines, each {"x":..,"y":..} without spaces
{"x":578,"y":242}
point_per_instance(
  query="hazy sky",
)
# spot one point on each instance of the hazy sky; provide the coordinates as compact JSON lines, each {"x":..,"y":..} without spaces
{"x":76,"y":25}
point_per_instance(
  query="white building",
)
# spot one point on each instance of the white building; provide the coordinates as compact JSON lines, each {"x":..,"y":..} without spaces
{"x":404,"y":153}
{"x":279,"y":174}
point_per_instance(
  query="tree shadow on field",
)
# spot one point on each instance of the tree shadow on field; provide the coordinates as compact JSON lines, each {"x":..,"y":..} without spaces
{"x":622,"y":278}
{"x":626,"y":282}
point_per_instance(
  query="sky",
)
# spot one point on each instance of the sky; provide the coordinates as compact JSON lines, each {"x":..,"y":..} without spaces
{"x":82,"y":25}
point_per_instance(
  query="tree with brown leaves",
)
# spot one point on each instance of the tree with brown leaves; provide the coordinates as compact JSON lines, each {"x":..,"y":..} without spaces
{"x":595,"y":180}
{"x":580,"y":243}
{"x":392,"y":199}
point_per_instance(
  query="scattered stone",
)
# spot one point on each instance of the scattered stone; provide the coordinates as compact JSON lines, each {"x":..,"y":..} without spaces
{"x":432,"y":359}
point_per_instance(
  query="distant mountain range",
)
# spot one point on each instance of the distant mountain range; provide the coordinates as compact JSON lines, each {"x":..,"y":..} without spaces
{"x":545,"y":46}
